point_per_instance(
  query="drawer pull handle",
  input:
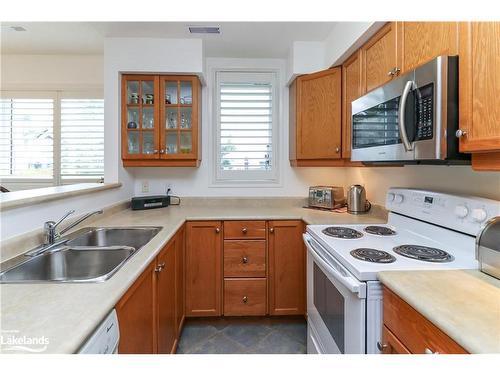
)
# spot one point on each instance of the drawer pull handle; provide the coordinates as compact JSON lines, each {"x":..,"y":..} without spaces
{"x":244,"y":260}
{"x":244,"y":230}
{"x":217,"y":230}
{"x":380,"y":346}
{"x":245,"y":299}
{"x":428,"y":351}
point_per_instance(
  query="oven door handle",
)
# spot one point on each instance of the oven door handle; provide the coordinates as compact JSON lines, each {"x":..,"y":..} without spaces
{"x":347,"y":281}
{"x":402,"y":110}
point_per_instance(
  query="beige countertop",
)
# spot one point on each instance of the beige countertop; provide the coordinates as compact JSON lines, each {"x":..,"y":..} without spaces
{"x":464,"y":304}
{"x":66,"y":314}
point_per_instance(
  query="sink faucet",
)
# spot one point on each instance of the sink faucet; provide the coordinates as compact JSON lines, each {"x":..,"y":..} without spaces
{"x":49,"y":227}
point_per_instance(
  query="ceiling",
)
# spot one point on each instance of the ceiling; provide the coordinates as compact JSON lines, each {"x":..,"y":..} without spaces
{"x":237,"y":39}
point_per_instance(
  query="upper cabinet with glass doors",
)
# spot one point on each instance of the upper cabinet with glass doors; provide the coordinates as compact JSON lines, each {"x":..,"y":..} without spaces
{"x":160,"y":121}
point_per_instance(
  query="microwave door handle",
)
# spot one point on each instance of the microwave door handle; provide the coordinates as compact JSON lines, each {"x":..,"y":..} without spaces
{"x":402,"y":110}
{"x":347,"y":281}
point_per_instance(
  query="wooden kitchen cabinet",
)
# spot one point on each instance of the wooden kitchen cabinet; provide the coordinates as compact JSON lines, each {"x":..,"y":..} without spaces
{"x":479,"y":72}
{"x":180,"y":242}
{"x":351,"y":90}
{"x":316,"y":119}
{"x":161,"y":120}
{"x":287,"y":268}
{"x":166,"y":297}
{"x":380,"y":58}
{"x":203,"y":268}
{"x":136,"y":312}
{"x":419,"y":42}
{"x":391,"y":344}
{"x":405,"y":329}
{"x":150,"y":313}
{"x":245,"y":297}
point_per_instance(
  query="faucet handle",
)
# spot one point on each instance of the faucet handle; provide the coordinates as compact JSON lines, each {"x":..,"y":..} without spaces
{"x":64,"y":217}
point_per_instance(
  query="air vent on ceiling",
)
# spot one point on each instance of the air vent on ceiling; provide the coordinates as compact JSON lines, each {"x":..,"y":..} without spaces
{"x":204,"y":29}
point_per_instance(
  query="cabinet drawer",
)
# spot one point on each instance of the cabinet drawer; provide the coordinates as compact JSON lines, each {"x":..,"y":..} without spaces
{"x":413,"y":330}
{"x":244,"y":297}
{"x":244,"y":258}
{"x":244,"y":229}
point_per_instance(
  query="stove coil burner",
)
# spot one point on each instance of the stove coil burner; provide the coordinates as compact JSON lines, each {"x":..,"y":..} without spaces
{"x":372,"y":255}
{"x":424,"y":253}
{"x":342,"y":232}
{"x":380,"y":231}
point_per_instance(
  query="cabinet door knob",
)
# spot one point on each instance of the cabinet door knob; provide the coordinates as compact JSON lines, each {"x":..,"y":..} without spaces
{"x":162,"y":151}
{"x":460,"y":133}
{"x":244,"y":260}
{"x":337,"y":149}
{"x":244,"y":230}
{"x":394,"y":72}
{"x":380,"y":346}
{"x":271,"y":230}
{"x":245,"y":299}
{"x":217,"y":230}
{"x":160,"y":267}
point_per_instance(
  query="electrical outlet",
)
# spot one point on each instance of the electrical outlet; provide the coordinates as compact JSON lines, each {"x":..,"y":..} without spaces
{"x":145,"y":186}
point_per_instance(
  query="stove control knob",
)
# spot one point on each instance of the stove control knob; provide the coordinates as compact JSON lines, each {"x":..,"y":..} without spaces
{"x":398,"y":198}
{"x":390,"y":197}
{"x":479,"y":215}
{"x":461,"y":211}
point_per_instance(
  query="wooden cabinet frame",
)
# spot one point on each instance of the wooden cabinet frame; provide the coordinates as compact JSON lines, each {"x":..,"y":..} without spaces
{"x":159,"y":158}
{"x":140,"y":106}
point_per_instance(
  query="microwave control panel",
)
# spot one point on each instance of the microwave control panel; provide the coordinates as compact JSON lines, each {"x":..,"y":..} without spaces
{"x":425,"y":112}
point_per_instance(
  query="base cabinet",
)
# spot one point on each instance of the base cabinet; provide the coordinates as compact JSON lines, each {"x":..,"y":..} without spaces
{"x":287,"y":268}
{"x":149,"y":314}
{"x":407,"y":331}
{"x":203,"y":268}
{"x":166,"y":298}
{"x":136,"y":312}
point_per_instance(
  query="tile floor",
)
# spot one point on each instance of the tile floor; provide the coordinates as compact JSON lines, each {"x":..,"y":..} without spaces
{"x":264,"y":335}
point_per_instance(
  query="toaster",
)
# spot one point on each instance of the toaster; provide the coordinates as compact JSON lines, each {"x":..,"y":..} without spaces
{"x":326,"y":197}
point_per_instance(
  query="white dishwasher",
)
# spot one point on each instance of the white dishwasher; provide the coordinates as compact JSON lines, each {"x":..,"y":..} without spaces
{"x":105,"y":338}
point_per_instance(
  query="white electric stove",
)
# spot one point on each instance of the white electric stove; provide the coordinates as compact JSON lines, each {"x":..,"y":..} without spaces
{"x":425,"y":231}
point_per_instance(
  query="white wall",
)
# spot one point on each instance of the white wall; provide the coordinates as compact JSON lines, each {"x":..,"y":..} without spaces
{"x":51,"y":72}
{"x":198,"y":181}
{"x":347,"y":37}
{"x":305,"y":57}
{"x":449,"y":179}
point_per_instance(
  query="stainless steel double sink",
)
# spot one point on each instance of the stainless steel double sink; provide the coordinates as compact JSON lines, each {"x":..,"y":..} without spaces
{"x":88,"y":255}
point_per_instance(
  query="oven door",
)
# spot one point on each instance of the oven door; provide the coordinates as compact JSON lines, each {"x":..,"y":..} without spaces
{"x":336,"y":303}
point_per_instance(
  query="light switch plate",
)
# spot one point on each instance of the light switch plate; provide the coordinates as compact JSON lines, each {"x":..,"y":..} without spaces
{"x":145,"y":186}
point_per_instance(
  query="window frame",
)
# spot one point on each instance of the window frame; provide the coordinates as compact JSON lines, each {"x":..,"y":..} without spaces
{"x":57,"y":96}
{"x":249,"y":178}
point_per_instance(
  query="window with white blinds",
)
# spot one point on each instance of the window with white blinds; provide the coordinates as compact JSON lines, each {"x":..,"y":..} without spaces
{"x":26,"y":138}
{"x":246,"y":119}
{"x":82,"y":138}
{"x":51,"y":137}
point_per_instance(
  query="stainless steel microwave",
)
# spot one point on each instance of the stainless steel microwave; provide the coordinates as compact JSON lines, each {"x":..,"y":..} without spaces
{"x":412,"y":119}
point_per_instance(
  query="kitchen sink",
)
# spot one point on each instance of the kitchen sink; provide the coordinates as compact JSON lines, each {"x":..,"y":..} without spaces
{"x":70,"y":265}
{"x":88,"y":255}
{"x":135,"y":237}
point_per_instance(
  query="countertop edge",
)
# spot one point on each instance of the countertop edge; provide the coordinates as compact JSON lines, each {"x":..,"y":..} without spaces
{"x":52,"y":193}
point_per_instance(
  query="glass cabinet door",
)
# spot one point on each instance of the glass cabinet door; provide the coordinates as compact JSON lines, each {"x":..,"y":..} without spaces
{"x":178,"y":122}
{"x":140,"y":113}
